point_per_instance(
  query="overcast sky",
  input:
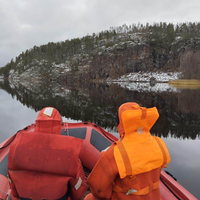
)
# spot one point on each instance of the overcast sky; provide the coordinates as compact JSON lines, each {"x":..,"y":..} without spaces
{"x":25,"y":23}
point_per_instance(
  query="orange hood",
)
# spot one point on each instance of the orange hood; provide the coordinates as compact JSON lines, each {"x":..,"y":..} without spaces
{"x":135,"y":119}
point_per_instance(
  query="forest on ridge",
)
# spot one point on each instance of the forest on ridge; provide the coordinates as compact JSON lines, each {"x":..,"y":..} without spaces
{"x":167,"y":44}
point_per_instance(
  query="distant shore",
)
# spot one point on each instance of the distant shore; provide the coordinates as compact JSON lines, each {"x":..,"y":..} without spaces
{"x":186,"y":83}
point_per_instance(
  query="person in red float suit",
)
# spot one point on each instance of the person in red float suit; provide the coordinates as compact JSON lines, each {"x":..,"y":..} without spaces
{"x":44,"y":164}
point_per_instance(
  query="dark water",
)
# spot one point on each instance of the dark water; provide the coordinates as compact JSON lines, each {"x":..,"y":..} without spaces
{"x":178,"y":124}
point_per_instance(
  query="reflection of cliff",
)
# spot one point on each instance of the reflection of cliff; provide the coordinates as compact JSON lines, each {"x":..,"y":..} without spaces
{"x":98,"y":103}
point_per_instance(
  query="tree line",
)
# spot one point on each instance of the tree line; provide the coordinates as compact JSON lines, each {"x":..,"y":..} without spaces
{"x":160,"y":37}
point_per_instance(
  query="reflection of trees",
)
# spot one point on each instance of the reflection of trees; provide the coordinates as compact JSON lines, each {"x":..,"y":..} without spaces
{"x":98,"y":103}
{"x":189,"y":101}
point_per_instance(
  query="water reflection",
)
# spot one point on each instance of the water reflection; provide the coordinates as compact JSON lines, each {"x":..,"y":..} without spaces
{"x":98,"y":103}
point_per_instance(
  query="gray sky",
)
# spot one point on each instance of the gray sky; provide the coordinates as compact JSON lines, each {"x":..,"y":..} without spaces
{"x":25,"y":23}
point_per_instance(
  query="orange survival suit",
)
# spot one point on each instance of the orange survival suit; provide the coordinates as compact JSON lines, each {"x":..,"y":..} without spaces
{"x":130,"y":168}
{"x":43,"y":165}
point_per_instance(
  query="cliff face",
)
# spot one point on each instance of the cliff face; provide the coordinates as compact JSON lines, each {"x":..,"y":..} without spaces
{"x":122,"y":61}
{"x":113,"y":63}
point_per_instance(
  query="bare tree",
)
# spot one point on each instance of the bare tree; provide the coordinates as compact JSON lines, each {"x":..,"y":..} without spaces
{"x":190,"y":65}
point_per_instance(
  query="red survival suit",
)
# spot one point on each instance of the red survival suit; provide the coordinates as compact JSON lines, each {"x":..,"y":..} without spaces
{"x":46,"y":166}
{"x":130,"y":169}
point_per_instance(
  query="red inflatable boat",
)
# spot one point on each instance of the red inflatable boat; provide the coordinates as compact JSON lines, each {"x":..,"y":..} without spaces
{"x":95,"y":139}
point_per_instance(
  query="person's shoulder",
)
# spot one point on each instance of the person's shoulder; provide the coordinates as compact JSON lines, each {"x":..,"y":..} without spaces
{"x":164,"y":147}
{"x":108,"y":150}
{"x":160,"y":140}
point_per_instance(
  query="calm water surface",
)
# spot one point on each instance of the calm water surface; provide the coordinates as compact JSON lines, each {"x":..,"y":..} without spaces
{"x":178,"y":124}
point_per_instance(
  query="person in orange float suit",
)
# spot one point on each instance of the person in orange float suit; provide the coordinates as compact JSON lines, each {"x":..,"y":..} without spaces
{"x":130,"y":168}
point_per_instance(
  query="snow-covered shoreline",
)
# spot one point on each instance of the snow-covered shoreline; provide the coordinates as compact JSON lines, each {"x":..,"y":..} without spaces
{"x":143,"y":81}
{"x":161,"y":77}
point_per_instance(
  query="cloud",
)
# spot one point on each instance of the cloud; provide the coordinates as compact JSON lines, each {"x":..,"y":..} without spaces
{"x":25,"y":23}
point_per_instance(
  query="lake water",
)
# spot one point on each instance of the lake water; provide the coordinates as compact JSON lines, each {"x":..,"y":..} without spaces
{"x":178,"y":124}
